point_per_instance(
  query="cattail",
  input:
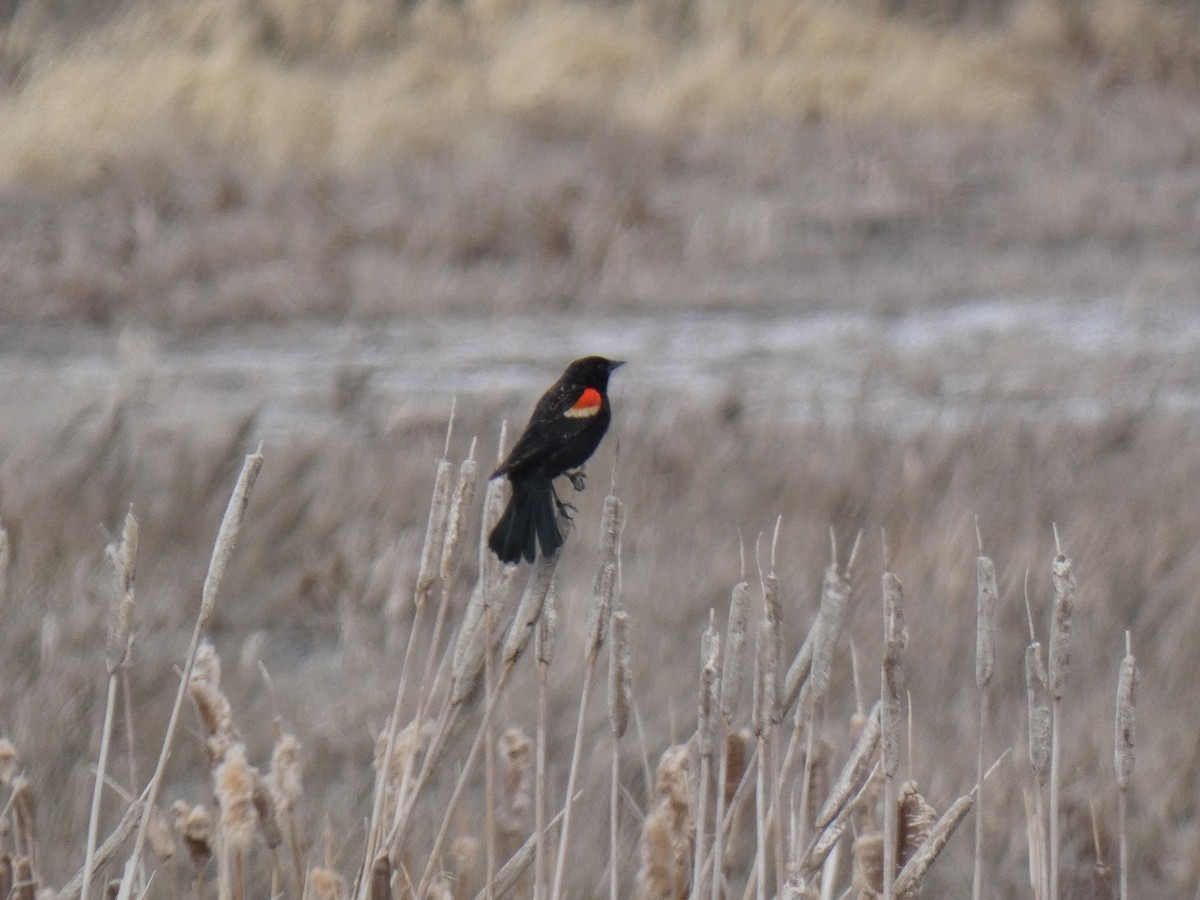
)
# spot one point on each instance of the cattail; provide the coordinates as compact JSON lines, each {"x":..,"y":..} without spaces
{"x":162,"y":842}
{"x":24,"y":811}
{"x":460,"y":503}
{"x":5,"y":559}
{"x":764,"y":677}
{"x":529,"y":610}
{"x":914,"y":870}
{"x":916,"y":820}
{"x":1126,"y":723}
{"x":233,"y":787}
{"x":264,"y":808}
{"x":231,"y":524}
{"x":121,"y":617}
{"x":194,"y":828}
{"x":735,"y":641}
{"x":854,"y":773}
{"x":10,"y":762}
{"x":620,"y":678}
{"x":286,"y":783}
{"x":772,"y":590}
{"x":605,"y":581}
{"x":212,"y":706}
{"x":1060,"y":629}
{"x":710,"y":656}
{"x":25,"y":886}
{"x":325,"y":884}
{"x":1126,"y":719}
{"x":868,"y":864}
{"x":895,"y":636}
{"x":6,"y":875}
{"x":381,"y":878}
{"x":516,"y":755}
{"x":469,"y":648}
{"x":435,"y":531}
{"x":985,"y":630}
{"x":666,"y":833}
{"x":1038,"y":707}
{"x":835,"y":591}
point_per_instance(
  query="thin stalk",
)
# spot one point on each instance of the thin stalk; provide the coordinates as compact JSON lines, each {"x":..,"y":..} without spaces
{"x":89,"y":858}
{"x":489,"y":761}
{"x":560,"y":867}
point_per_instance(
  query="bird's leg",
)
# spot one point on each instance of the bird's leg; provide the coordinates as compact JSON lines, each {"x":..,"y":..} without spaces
{"x":578,"y":479}
{"x":566,"y":510}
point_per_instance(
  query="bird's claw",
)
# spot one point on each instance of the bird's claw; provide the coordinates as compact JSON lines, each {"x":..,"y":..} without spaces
{"x":566,"y":510}
{"x":578,"y":479}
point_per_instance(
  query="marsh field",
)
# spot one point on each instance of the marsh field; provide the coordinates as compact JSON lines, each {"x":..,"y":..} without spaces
{"x":919,"y":271}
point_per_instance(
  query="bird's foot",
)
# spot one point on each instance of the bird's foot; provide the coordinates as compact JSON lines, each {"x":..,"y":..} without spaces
{"x":566,"y":510}
{"x":578,"y":479}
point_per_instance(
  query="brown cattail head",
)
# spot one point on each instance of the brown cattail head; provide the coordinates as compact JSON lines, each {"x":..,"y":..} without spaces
{"x":6,"y":875}
{"x":914,"y":870}
{"x":666,"y":842}
{"x":194,"y":827}
{"x":620,"y":676}
{"x":233,"y":786}
{"x":10,"y":763}
{"x":381,"y":878}
{"x":286,"y":783}
{"x":162,"y":842}
{"x":765,"y":666}
{"x":325,"y":884}
{"x":710,"y":663}
{"x":1060,"y":627}
{"x":212,"y":706}
{"x":120,"y":623}
{"x":772,"y":589}
{"x":1037,"y":696}
{"x":25,"y":883}
{"x":264,"y":807}
{"x":1126,"y":720}
{"x":460,"y":503}
{"x":24,"y":811}
{"x":605,"y":583}
{"x":915,"y":820}
{"x":735,"y":642}
{"x":868,"y":864}
{"x":516,"y":758}
{"x":435,"y":531}
{"x":985,"y":623}
{"x":231,"y":524}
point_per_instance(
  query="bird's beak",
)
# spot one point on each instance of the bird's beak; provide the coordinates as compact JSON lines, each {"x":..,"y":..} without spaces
{"x":615,"y":364}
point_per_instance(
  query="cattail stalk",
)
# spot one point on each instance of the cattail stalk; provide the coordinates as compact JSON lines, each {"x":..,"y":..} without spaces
{"x":895,"y":636}
{"x":544,"y":651}
{"x":1060,"y":647}
{"x":431,"y":553}
{"x":1123,"y":751}
{"x":731,"y":688}
{"x":619,"y":695}
{"x":120,"y":628}
{"x":765,"y":665}
{"x":706,"y":729}
{"x":985,"y":656}
{"x":227,"y":535}
{"x":603,"y":590}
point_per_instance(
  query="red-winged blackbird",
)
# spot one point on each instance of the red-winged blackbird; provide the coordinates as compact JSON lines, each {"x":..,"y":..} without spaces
{"x":564,"y":430}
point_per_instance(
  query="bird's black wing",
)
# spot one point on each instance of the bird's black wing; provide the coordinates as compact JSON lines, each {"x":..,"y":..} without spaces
{"x":547,"y":425}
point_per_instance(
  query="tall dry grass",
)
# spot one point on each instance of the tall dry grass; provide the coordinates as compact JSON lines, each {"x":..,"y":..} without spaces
{"x":323,"y":639}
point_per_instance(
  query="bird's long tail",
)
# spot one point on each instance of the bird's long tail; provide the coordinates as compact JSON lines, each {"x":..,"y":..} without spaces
{"x":529,"y":519}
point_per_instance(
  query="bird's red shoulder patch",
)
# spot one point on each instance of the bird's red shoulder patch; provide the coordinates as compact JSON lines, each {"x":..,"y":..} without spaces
{"x":588,"y":404}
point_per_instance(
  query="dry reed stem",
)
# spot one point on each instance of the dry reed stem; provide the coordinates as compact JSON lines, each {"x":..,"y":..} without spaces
{"x":604,"y":589}
{"x":731,"y":688}
{"x":1059,"y":665}
{"x":5,"y":561}
{"x":287,"y":789}
{"x":818,"y":850}
{"x":108,"y":849}
{"x":914,"y":870}
{"x":620,"y":688}
{"x":985,"y":664}
{"x":764,"y":707}
{"x":543,"y":650}
{"x":895,"y":636}
{"x":227,"y":534}
{"x":1123,"y":752}
{"x":516,"y":865}
{"x":120,"y":629}
{"x":706,"y":726}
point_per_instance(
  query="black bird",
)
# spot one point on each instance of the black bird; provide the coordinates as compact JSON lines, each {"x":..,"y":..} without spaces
{"x":563,"y":432}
